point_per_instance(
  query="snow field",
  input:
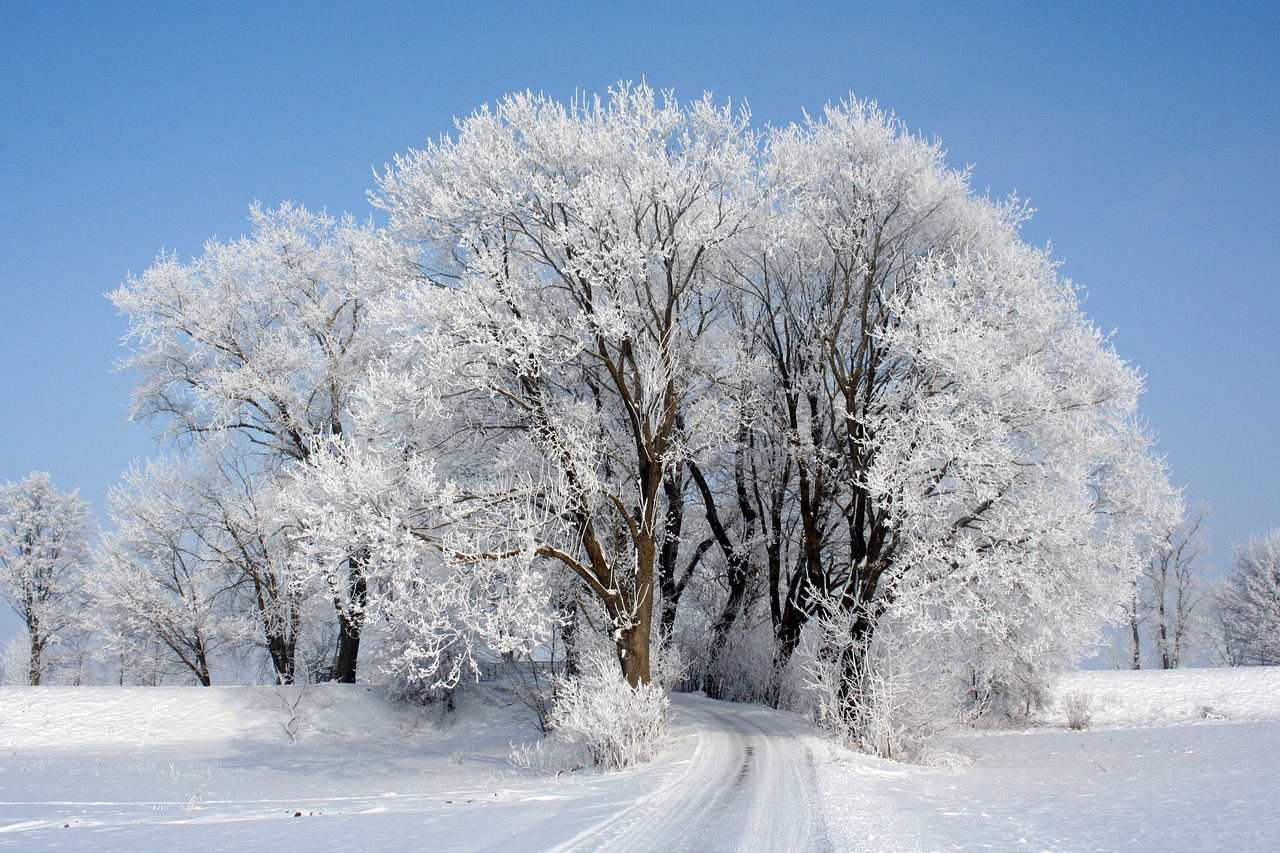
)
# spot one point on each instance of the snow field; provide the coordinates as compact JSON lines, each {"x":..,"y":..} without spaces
{"x":336,"y":767}
{"x":1153,"y":771}
{"x":1153,"y":697}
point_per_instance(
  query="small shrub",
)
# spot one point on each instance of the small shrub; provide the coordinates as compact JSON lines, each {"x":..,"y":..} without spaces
{"x":1076,"y":706}
{"x":618,"y":726}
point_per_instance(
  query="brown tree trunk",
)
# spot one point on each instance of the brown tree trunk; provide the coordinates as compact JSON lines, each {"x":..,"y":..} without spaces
{"x":37,"y":667}
{"x":350,"y":623}
{"x":633,"y":653}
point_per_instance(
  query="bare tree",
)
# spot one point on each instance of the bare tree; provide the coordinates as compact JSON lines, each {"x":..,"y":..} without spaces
{"x":1173,"y":592}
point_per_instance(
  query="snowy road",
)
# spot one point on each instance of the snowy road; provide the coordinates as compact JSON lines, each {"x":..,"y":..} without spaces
{"x":747,"y":784}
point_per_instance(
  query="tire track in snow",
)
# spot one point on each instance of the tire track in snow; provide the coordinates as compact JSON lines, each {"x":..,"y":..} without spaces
{"x":749,"y":785}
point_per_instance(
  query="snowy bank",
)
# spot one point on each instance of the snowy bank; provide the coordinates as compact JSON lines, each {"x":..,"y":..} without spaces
{"x":1152,"y":697}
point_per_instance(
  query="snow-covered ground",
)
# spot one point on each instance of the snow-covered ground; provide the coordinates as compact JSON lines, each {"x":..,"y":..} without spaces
{"x":1171,"y":761}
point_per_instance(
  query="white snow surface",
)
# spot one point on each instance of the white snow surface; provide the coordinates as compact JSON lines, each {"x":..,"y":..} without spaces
{"x":1171,"y":761}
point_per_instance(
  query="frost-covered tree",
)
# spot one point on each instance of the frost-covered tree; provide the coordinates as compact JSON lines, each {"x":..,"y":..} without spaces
{"x":850,"y":374}
{"x":201,"y":560}
{"x":154,"y":585}
{"x":44,"y":537}
{"x":961,"y":454}
{"x":247,"y":533}
{"x":1020,"y":490}
{"x":1247,"y":604}
{"x":260,"y":342}
{"x":1169,"y":597}
{"x":630,"y":360}
{"x":445,"y":599}
{"x":576,"y":255}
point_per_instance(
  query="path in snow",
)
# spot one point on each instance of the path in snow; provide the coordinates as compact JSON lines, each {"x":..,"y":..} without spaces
{"x":747,"y":784}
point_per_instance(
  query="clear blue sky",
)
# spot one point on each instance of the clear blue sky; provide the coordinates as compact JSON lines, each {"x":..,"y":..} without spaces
{"x":1145,"y":135}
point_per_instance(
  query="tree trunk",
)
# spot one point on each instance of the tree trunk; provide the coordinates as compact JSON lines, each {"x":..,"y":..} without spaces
{"x":202,"y":665}
{"x":636,"y":627}
{"x":569,"y":634}
{"x":736,"y":563}
{"x":786,"y":638}
{"x":1135,"y":634}
{"x":633,"y":653}
{"x":350,"y":623}
{"x":853,"y":689}
{"x":669,"y":555}
{"x":282,"y":639}
{"x":37,"y":666}
{"x":1166,"y":658}
{"x":281,"y":647}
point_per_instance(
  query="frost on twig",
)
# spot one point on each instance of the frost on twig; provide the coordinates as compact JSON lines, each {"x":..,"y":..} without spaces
{"x":291,"y":700}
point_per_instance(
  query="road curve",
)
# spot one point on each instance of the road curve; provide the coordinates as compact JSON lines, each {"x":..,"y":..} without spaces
{"x":748,"y":784}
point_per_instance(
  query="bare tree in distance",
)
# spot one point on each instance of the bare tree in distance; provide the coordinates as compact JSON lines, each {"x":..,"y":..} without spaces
{"x":1173,"y":592}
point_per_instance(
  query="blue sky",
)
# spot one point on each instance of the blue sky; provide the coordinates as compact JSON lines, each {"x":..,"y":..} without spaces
{"x":1144,"y":134}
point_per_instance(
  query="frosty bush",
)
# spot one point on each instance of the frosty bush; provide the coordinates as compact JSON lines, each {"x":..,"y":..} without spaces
{"x":1076,"y":707}
{"x":15,"y":660}
{"x":617,"y":725}
{"x":670,"y":667}
{"x":886,"y":693}
{"x":742,"y":667}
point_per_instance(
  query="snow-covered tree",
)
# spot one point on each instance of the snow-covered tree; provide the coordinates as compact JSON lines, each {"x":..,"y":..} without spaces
{"x":1247,"y":604}
{"x":576,"y":255}
{"x":963,"y":455}
{"x":44,"y":537}
{"x":201,"y":560}
{"x":444,"y":598}
{"x":261,"y":341}
{"x":1168,"y":600}
{"x":630,"y":359}
{"x":154,"y":585}
{"x":1021,"y":491}
{"x":857,"y":372}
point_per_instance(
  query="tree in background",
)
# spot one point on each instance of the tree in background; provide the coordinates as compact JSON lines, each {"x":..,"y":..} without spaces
{"x":1168,"y":599}
{"x":255,"y":348}
{"x":153,"y":587}
{"x":1247,"y":605}
{"x":44,"y":538}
